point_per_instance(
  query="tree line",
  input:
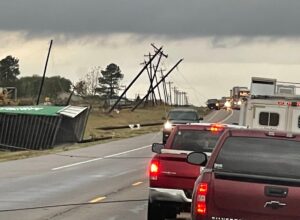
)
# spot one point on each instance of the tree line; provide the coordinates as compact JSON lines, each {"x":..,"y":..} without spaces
{"x":96,"y":82}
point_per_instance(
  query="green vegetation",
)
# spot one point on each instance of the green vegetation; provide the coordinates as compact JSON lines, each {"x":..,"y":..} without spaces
{"x":28,"y":87}
{"x":109,"y":81}
{"x":9,"y":70}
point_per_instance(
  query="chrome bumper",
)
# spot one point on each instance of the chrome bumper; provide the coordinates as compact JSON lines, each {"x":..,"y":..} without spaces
{"x":168,"y":195}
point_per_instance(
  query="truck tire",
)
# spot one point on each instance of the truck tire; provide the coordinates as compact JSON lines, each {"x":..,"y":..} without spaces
{"x":155,"y":212}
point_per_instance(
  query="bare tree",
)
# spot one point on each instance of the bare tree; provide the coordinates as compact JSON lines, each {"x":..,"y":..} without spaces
{"x":91,"y":80}
{"x":80,"y":88}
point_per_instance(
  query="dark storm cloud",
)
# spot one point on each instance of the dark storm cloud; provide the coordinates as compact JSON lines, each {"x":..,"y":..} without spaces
{"x":171,"y":18}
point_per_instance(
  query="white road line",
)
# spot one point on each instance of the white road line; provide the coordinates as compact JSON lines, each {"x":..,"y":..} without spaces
{"x":125,"y":152}
{"x":76,"y":164}
{"x":229,"y":116}
{"x":99,"y":158}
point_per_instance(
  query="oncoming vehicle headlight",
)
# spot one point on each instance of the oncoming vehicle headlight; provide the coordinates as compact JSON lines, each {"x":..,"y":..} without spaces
{"x":239,"y":102}
{"x":227,"y":104}
{"x":168,"y":125}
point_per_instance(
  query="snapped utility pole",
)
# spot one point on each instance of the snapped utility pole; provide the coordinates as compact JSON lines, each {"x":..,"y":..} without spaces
{"x":164,"y":88}
{"x":44,"y":74}
{"x":162,"y":54}
{"x":151,"y":82}
{"x":170,"y":71}
{"x":133,"y":81}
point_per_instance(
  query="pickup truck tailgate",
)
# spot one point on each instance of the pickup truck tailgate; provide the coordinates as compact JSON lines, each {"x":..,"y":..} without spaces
{"x":175,"y":172}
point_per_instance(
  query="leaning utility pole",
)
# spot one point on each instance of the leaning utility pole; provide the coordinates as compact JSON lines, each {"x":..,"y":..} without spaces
{"x":151,"y":83}
{"x":164,"y":87}
{"x":155,"y":75}
{"x":133,"y":81}
{"x":152,"y":80}
{"x":44,"y":74}
{"x":162,"y":54}
{"x":155,"y":68}
{"x":170,"y":71}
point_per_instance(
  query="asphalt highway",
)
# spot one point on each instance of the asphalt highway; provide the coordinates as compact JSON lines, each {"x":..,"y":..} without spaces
{"x":104,"y":182}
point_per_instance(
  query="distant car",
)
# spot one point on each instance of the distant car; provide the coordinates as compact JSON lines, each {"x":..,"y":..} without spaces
{"x":171,"y":177}
{"x":178,"y":116}
{"x":251,"y":175}
{"x":213,"y":104}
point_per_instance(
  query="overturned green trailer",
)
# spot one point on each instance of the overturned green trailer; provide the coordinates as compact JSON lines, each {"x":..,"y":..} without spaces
{"x":41,"y":127}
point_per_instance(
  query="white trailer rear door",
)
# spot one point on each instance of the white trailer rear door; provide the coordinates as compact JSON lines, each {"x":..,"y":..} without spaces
{"x":270,"y":117}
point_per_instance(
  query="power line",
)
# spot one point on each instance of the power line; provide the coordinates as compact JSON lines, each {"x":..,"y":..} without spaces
{"x":72,"y":204}
{"x":196,"y":92}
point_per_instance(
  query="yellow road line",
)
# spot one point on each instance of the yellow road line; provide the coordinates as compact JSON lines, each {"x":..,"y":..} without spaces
{"x":137,"y":183}
{"x":97,"y":199}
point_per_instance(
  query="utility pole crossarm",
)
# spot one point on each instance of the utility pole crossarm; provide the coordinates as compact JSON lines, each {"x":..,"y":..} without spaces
{"x":133,"y":81}
{"x":171,"y":70}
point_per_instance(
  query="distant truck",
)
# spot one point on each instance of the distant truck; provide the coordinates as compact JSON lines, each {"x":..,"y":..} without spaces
{"x":177,"y":116}
{"x":272,"y":106}
{"x":239,"y":95}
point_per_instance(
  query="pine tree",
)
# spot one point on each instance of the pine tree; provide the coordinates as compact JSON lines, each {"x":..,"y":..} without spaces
{"x":9,"y":70}
{"x":109,"y":81}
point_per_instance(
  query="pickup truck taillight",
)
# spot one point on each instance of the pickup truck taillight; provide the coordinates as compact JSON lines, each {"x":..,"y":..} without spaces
{"x":201,"y":198}
{"x":154,"y":169}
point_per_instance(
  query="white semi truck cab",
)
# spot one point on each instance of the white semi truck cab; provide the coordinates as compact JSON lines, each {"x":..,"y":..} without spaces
{"x":271,"y":106}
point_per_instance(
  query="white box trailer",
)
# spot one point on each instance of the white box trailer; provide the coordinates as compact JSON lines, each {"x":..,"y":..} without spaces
{"x":263,"y":86}
{"x":286,"y":89}
{"x":273,"y":113}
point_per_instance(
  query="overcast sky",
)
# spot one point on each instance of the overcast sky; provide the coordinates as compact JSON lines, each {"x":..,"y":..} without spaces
{"x":223,"y":42}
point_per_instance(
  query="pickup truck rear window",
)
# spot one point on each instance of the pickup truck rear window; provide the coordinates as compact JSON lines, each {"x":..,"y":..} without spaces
{"x":195,"y":140}
{"x":260,"y":156}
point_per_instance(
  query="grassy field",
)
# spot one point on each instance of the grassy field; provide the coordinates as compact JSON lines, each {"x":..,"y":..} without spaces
{"x":99,"y":119}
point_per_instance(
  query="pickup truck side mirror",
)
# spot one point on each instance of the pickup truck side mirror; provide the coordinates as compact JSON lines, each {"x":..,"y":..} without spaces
{"x":201,"y":119}
{"x":164,"y":118}
{"x":157,"y":147}
{"x":196,"y":158}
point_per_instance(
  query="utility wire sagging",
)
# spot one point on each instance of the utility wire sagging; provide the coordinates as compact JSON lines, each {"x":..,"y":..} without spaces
{"x":72,"y":204}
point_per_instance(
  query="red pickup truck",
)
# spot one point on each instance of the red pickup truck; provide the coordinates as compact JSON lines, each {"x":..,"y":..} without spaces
{"x":251,"y":175}
{"x":171,"y":177}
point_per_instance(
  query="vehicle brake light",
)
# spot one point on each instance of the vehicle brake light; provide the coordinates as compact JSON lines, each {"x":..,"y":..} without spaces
{"x":216,"y":128}
{"x":154,"y":169}
{"x":201,"y":198}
